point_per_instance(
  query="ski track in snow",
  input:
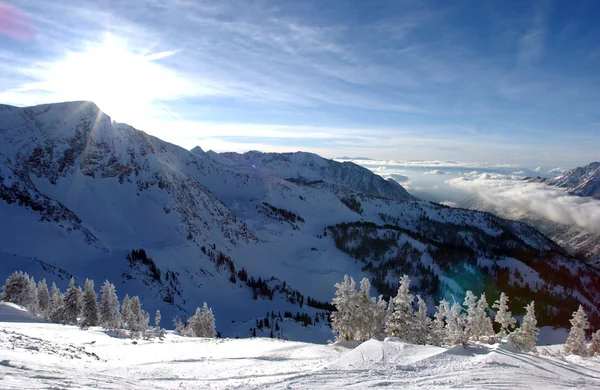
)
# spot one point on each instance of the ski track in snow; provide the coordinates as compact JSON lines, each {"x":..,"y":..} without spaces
{"x":52,"y":356}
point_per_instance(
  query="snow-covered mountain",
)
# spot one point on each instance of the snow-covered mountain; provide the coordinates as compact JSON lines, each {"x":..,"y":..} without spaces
{"x":249,"y":233}
{"x":581,"y":181}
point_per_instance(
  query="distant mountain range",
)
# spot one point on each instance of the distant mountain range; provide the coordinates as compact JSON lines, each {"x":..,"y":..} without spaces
{"x":581,"y":181}
{"x":251,"y":233}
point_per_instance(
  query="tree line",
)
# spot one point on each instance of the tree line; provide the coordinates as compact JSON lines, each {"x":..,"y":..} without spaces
{"x":362,"y":317}
{"x":81,"y":307}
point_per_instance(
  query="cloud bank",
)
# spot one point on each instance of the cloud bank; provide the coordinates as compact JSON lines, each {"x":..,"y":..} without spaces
{"x":551,"y":203}
{"x":435,"y":172}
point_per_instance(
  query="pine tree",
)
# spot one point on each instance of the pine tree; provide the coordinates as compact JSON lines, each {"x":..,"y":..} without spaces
{"x":89,"y":313}
{"x":343,"y":320}
{"x":44,"y":301}
{"x":207,"y":322}
{"x":471,"y":305}
{"x":400,"y":322}
{"x":110,"y":318}
{"x":365,"y":311}
{"x":14,"y":289}
{"x":525,"y":338}
{"x":438,"y":331}
{"x":57,"y":312}
{"x":421,"y":323}
{"x":31,"y":300}
{"x":127,"y":316}
{"x":594,"y":348}
{"x":72,"y":303}
{"x":179,"y":326}
{"x":455,"y":326}
{"x":157,"y":319}
{"x":503,"y":316}
{"x":379,"y":316}
{"x":194,"y":327}
{"x":482,"y":323}
{"x":139,"y":319}
{"x":575,"y":344}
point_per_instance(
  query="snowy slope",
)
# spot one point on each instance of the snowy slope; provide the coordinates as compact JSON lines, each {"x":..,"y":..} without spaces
{"x":581,"y":181}
{"x":42,"y":356}
{"x":79,"y":191}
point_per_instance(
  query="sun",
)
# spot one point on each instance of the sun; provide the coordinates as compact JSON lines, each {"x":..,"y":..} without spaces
{"x":127,"y":85}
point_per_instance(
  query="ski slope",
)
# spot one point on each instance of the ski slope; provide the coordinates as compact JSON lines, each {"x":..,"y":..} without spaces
{"x":50,"y":356}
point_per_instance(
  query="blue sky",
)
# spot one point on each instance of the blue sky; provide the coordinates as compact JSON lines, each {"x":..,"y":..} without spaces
{"x":501,"y":81}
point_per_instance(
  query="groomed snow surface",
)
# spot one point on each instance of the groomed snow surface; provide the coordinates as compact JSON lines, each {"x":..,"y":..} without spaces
{"x":36,"y":355}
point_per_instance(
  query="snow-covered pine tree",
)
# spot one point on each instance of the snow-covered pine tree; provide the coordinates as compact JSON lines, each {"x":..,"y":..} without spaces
{"x":575,"y":344}
{"x":379,"y":316}
{"x":110,"y":318}
{"x":89,"y":312}
{"x":207,"y":322}
{"x":43,"y":297}
{"x":72,"y":303}
{"x":438,"y":327}
{"x":194,"y":327}
{"x":421,"y":323}
{"x":400,"y":322}
{"x":503,"y":316}
{"x":14,"y":289}
{"x":57,"y":312}
{"x":31,"y":296}
{"x":139,"y":320}
{"x":471,"y":305}
{"x":455,"y":326}
{"x":364,"y":312}
{"x":344,"y":320}
{"x":126,"y":312}
{"x":179,"y":325}
{"x":594,"y":348}
{"x":525,"y":337}
{"x":157,"y":319}
{"x":482,"y":327}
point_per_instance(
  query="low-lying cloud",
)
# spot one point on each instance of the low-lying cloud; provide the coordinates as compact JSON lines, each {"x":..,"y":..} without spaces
{"x":548,"y":202}
{"x":435,"y":172}
{"x":398,"y":177}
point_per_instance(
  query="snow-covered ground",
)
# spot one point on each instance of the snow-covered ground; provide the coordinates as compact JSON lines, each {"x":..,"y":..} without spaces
{"x":50,"y":356}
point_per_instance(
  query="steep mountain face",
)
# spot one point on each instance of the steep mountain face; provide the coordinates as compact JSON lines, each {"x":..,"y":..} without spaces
{"x":581,"y":181}
{"x":577,"y":241}
{"x":306,"y":168}
{"x":249,"y":234}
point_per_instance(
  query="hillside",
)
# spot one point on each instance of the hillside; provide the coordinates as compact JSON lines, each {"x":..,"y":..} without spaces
{"x":251,"y":234}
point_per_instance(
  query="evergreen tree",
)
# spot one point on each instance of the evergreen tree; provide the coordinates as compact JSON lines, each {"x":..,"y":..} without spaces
{"x":421,"y":323}
{"x":57,"y":313}
{"x":194,"y":327}
{"x":31,"y":300}
{"x":44,"y":301}
{"x":482,"y":325}
{"x":343,"y":320}
{"x":365,"y":311}
{"x":15,"y":287}
{"x":455,"y":326}
{"x":575,"y":344}
{"x":594,"y":349}
{"x":471,"y":305}
{"x":503,"y":316}
{"x":525,"y":338}
{"x":379,"y":316}
{"x":157,"y":319}
{"x":89,"y":311}
{"x":179,"y":325}
{"x":207,"y":322}
{"x":400,"y":322}
{"x":127,"y":316}
{"x":72,"y":303}
{"x":110,"y":318}
{"x":438,"y":331}
{"x":139,"y":319}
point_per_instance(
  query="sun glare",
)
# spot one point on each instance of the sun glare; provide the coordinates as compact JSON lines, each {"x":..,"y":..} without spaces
{"x":128,"y":86}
